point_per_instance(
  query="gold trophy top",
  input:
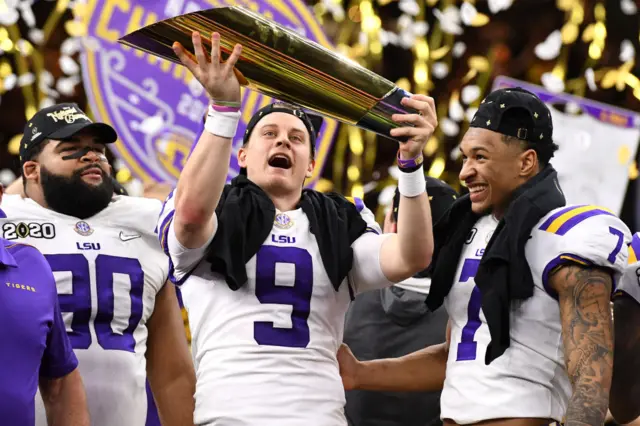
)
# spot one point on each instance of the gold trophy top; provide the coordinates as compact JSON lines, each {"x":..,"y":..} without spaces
{"x":275,"y":61}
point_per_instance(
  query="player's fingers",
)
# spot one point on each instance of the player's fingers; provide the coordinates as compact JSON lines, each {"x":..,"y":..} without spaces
{"x":233,"y":58}
{"x":412,"y":131}
{"x":215,"y":48}
{"x":185,"y":57}
{"x":197,"y":49}
{"x":414,"y":119}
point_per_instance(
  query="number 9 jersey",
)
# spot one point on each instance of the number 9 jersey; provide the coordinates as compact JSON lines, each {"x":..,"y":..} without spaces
{"x":630,"y":282}
{"x":108,"y":270}
{"x":265,"y":354}
{"x":529,"y":380}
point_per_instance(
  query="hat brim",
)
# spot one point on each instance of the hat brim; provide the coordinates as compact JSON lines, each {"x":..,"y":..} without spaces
{"x":103,"y":132}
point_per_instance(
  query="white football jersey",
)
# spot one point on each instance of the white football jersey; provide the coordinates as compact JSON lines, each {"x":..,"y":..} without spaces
{"x":630,"y":282}
{"x":529,"y":379}
{"x":265,"y":354}
{"x":108,"y":270}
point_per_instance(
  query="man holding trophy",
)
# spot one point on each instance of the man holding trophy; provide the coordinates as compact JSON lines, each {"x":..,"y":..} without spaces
{"x":267,"y":269}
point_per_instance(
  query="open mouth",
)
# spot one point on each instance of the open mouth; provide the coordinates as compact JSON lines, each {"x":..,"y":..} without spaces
{"x":280,"y":161}
{"x":94,"y":171}
{"x":477,"y":191}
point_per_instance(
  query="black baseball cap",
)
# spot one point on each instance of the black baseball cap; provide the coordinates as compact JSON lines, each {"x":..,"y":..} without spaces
{"x":532,"y":124}
{"x":60,"y":122}
{"x":441,"y":197}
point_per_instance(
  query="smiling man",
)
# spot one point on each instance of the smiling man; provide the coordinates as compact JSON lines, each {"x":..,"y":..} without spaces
{"x":123,"y":321}
{"x":531,"y":338}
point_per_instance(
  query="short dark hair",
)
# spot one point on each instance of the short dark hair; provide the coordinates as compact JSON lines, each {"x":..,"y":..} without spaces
{"x":33,"y":153}
{"x":520,"y":115}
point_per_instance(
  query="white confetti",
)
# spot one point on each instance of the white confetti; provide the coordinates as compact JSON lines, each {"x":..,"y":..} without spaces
{"x":420,"y":28}
{"x":71,"y":46}
{"x":440,"y":70}
{"x":91,"y":43}
{"x":134,"y":99}
{"x":135,"y":187}
{"x":36,"y":35}
{"x":550,"y":48}
{"x":458,"y":49}
{"x":470,"y":93}
{"x":68,"y":65}
{"x":386,"y":195}
{"x":383,"y":37}
{"x":552,"y":82}
{"x":10,"y":82}
{"x":9,"y":16}
{"x":46,"y":103}
{"x":496,"y":6}
{"x":627,"y":51}
{"x":26,"y":79}
{"x":27,"y":14}
{"x":590,"y":76}
{"x":449,"y":127}
{"x":363,"y":38}
{"x":7,"y":176}
{"x":628,"y":7}
{"x":21,"y":46}
{"x":455,"y":153}
{"x":470,"y":113}
{"x":407,"y":39}
{"x":410,"y":7}
{"x":467,"y":13}
{"x":404,"y":22}
{"x":152,"y":125}
{"x":456,"y":112}
{"x":449,"y":20}
{"x":394,"y":172}
{"x":572,"y":108}
{"x":67,"y":86}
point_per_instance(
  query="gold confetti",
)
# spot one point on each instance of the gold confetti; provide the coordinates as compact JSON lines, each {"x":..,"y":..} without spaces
{"x":479,"y":20}
{"x":624,"y":155}
{"x":569,"y":33}
{"x":633,"y":171}
{"x":479,"y":63}
{"x":437,"y":167}
{"x":353,"y":173}
{"x":13,"y":147}
{"x":123,"y":175}
{"x":75,"y":28}
{"x":440,"y":53}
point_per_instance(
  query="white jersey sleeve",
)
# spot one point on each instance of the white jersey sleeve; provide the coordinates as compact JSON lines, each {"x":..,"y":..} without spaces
{"x":182,"y":260}
{"x":366,"y":272}
{"x":630,"y":282}
{"x":586,"y":235}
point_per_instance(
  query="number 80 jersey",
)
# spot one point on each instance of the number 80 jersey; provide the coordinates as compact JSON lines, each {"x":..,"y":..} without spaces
{"x":108,"y":270}
{"x":529,"y":380}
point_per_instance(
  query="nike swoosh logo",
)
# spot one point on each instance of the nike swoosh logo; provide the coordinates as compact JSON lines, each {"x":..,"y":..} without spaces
{"x":129,"y":237}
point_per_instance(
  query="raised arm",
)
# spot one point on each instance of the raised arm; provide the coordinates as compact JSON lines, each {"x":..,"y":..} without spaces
{"x":625,"y":388}
{"x":169,"y":365}
{"x":64,"y":400}
{"x":584,"y":295}
{"x":203,"y":178}
{"x":423,"y":370}
{"x":409,"y":250}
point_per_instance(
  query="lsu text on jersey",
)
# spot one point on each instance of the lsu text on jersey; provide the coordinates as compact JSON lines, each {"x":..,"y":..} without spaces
{"x":108,"y":270}
{"x":265,"y":354}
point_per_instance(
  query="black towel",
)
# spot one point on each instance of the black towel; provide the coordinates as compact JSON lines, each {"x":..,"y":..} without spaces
{"x":245,"y":219}
{"x":503,"y":275}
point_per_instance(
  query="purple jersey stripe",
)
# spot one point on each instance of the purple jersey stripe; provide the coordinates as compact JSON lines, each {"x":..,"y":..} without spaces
{"x":556,"y":215}
{"x":635,"y":244}
{"x":574,"y":221}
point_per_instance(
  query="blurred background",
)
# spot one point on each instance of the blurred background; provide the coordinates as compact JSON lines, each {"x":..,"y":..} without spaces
{"x":451,"y":50}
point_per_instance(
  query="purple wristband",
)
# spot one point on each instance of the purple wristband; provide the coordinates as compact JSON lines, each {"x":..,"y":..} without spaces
{"x":224,"y":108}
{"x":410,"y":164}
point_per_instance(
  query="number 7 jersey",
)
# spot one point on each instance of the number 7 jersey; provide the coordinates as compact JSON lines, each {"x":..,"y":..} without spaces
{"x":108,"y":270}
{"x":529,"y":380}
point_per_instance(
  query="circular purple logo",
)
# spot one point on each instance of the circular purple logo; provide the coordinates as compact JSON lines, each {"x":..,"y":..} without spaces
{"x":156,"y":106}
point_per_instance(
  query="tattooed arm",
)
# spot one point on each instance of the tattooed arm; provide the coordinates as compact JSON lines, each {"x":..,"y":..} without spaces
{"x":625,"y":389}
{"x":584,"y":294}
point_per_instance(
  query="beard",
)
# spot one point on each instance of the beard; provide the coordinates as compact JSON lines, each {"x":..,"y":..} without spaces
{"x":72,"y":196}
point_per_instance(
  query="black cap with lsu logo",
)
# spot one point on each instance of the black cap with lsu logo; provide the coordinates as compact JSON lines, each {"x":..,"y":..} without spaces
{"x":441,"y":197}
{"x":61,"y":122}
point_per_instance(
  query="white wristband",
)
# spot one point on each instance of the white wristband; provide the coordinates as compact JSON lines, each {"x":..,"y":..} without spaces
{"x":223,"y":124}
{"x":412,"y":184}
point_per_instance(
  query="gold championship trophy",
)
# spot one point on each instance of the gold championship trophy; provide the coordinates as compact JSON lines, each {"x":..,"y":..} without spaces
{"x":282,"y":64}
